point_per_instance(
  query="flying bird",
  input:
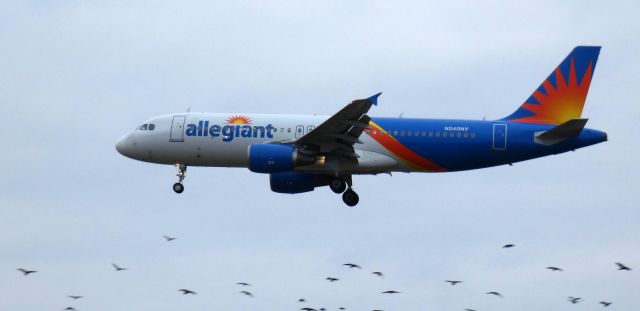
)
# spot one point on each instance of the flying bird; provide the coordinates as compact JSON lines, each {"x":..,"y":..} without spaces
{"x":509,"y":246}
{"x":495,"y":294}
{"x":118,"y":268}
{"x":554,"y":269}
{"x":330,"y":279}
{"x":352,"y":265}
{"x":302,"y":300}
{"x":342,"y":308}
{"x":453,"y":282}
{"x":243,"y":284}
{"x":574,"y":300}
{"x":247,"y":293}
{"x":390,"y":292}
{"x":70,"y":309}
{"x":187,"y":291}
{"x":469,"y":310}
{"x":75,"y":297}
{"x":605,"y":304}
{"x":307,"y":309}
{"x":26,"y":272}
{"x":378,"y":273}
{"x":168,"y":238}
{"x":622,"y":266}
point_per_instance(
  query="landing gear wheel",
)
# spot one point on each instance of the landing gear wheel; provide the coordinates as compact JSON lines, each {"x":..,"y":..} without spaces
{"x":350,"y":198}
{"x":178,"y":187}
{"x":338,"y":185}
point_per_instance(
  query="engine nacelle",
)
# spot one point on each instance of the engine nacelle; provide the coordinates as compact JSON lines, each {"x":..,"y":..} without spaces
{"x":294,"y":182}
{"x":274,"y":158}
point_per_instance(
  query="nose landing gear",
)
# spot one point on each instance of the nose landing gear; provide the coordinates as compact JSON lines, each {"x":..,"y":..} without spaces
{"x":182,"y":171}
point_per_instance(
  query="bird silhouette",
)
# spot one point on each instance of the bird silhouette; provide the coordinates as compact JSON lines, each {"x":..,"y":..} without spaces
{"x":308,"y":309}
{"x":352,"y":265}
{"x":622,"y":266}
{"x":302,"y":300}
{"x":247,"y":293}
{"x":495,"y":294}
{"x":378,"y":273}
{"x":574,"y":300}
{"x":390,"y":292}
{"x":330,"y":279}
{"x":453,"y":282}
{"x":70,"y":309}
{"x":554,"y":269}
{"x":26,"y":272}
{"x":187,"y":291}
{"x":168,"y":238}
{"x":75,"y":297}
{"x":243,"y":284}
{"x":605,"y":304}
{"x":342,"y":308}
{"x":118,"y":268}
{"x":469,"y":310}
{"x":509,"y":246}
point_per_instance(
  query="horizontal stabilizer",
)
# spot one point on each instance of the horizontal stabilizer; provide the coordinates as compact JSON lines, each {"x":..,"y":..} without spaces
{"x":564,"y":131}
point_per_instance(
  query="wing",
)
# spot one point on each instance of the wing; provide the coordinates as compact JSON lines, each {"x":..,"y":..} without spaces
{"x":342,"y":130}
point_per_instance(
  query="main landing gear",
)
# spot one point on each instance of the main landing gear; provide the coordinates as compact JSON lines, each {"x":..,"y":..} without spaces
{"x":182,"y":171}
{"x":339,"y":185}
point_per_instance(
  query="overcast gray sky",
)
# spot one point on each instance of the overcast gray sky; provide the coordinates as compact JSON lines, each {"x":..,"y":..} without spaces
{"x":77,"y":75}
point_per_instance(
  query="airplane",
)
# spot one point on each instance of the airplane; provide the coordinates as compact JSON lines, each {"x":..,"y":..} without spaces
{"x":303,"y":152}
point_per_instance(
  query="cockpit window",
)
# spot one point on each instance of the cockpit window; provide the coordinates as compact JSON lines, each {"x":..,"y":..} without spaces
{"x":151,"y":127}
{"x":143,"y":127}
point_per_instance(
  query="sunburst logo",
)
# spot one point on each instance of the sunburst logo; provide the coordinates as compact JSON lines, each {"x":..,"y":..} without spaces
{"x":237,"y":119}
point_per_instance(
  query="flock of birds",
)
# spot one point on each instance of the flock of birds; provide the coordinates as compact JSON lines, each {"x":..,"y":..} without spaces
{"x":184,"y":291}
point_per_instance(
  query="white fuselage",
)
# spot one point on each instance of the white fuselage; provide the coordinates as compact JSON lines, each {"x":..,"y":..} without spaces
{"x":222,"y":139}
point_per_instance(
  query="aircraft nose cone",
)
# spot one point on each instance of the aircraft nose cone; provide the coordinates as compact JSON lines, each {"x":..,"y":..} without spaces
{"x":123,"y":146}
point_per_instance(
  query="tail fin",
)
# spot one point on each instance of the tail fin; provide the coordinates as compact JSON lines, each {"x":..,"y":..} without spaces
{"x":562,"y":95}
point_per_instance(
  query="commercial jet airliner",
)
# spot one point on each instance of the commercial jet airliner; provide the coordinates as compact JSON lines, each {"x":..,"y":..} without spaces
{"x":302,"y":152}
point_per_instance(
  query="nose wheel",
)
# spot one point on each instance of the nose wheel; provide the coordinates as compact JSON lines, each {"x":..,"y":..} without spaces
{"x":182,"y":171}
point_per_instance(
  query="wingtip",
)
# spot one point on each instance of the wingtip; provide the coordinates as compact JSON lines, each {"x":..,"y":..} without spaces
{"x":374,"y":99}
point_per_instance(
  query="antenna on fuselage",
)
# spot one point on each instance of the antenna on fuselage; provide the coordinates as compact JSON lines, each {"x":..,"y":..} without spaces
{"x":189,"y":109}
{"x":401,"y":114}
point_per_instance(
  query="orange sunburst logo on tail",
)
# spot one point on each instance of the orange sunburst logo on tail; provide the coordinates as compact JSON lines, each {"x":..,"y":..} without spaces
{"x":237,"y":119}
{"x":562,"y":102}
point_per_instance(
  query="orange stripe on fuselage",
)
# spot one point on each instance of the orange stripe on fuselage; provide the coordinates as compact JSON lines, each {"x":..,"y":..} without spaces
{"x":397,"y":148}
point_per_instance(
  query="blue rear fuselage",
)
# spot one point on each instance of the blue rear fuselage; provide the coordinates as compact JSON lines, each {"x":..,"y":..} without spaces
{"x":457,"y":145}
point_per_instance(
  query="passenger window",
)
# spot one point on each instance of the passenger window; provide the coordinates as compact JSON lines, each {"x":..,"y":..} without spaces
{"x":437,"y":134}
{"x":417,"y":133}
{"x":430,"y":134}
{"x":151,"y":127}
{"x":289,"y":130}
{"x":409,"y":133}
{"x":282,"y":129}
{"x":143,"y":127}
{"x":395,"y":133}
{"x":444,"y":134}
{"x":401,"y":133}
{"x":466,"y":135}
{"x":459,"y":135}
{"x":473,"y":135}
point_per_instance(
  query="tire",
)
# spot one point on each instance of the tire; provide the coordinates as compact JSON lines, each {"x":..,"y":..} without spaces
{"x":350,"y":198}
{"x":178,"y":187}
{"x":338,"y":185}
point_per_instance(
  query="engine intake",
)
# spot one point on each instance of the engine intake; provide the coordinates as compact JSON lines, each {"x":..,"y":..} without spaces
{"x":274,"y":158}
